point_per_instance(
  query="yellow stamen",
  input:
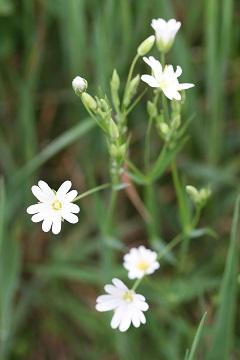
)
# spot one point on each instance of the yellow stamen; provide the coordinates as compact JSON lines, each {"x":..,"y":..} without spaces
{"x":143,"y":265}
{"x":56,"y":205}
{"x":128,"y":296}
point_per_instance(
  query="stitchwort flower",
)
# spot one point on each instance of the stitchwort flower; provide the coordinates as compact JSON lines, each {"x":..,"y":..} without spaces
{"x":140,"y":261}
{"x":54,"y":206}
{"x":128,"y":306}
{"x":165,"y":79}
{"x":165,"y":32}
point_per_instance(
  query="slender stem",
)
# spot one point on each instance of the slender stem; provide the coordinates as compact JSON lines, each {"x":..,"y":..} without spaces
{"x":110,"y":213}
{"x":92,"y":191}
{"x":174,"y":242}
{"x":135,"y":102}
{"x":133,"y":64}
{"x":186,"y":240}
{"x":147,"y":143}
{"x":136,"y":284}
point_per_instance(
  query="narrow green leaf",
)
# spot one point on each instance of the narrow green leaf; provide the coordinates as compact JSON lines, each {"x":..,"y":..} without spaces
{"x":223,"y":333}
{"x":196,"y":339}
{"x":64,"y":140}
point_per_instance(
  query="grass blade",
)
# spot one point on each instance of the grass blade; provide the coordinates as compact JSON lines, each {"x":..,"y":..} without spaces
{"x":196,"y":340}
{"x":223,"y":334}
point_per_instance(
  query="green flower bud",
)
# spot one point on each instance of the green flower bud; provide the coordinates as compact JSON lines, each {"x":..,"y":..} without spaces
{"x":151,"y":109}
{"x":164,"y":128}
{"x":176,"y":122}
{"x":199,"y":197}
{"x":89,"y":101}
{"x":131,"y":90}
{"x":146,"y":46}
{"x":192,"y":191}
{"x":114,"y":85}
{"x":113,"y":129}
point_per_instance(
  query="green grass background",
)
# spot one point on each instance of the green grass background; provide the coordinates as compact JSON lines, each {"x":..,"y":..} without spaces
{"x":48,"y":285}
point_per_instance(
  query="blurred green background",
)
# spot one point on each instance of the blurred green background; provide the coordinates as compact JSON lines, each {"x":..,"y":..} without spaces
{"x":48,"y":285}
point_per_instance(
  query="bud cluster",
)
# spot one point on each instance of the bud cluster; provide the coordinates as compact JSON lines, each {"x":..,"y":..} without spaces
{"x":198,"y":197}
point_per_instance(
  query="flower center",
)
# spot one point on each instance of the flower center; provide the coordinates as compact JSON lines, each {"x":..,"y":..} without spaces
{"x":143,"y":265}
{"x":56,"y":205}
{"x":128,"y":296}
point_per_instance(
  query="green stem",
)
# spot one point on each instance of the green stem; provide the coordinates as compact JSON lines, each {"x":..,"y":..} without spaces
{"x":135,"y":102}
{"x":171,"y":245}
{"x":92,"y":191}
{"x":186,"y":240}
{"x":147,"y":144}
{"x":133,"y":64}
{"x":136,"y":284}
{"x":110,"y":213}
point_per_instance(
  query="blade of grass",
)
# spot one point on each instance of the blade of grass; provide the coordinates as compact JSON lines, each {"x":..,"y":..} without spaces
{"x":64,"y":140}
{"x":196,"y":339}
{"x":223,"y":333}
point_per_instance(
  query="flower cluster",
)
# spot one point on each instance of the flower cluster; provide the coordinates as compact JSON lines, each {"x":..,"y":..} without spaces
{"x":128,"y":306}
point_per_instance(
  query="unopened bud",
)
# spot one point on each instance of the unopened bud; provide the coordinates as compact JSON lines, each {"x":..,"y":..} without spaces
{"x":164,"y":128}
{"x":89,"y":101}
{"x":176,"y":122}
{"x":151,"y":109}
{"x":146,"y":46}
{"x":131,"y":90}
{"x":113,"y":129}
{"x":115,"y":84}
{"x":79,"y":85}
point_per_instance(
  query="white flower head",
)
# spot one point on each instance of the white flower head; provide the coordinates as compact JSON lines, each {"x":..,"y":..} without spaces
{"x":128,"y":306}
{"x":165,"y":32}
{"x":79,"y":85}
{"x":140,"y":261}
{"x":54,"y":206}
{"x":165,"y":79}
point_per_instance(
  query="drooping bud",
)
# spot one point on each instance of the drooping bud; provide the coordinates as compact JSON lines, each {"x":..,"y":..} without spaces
{"x":79,"y":85}
{"x":144,"y":48}
{"x":89,"y":101}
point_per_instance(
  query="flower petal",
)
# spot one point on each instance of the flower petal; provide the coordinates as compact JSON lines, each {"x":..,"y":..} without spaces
{"x":73,"y":208}
{"x":45,"y":188}
{"x":71,"y":195}
{"x":185,"y":86}
{"x":150,"y":80}
{"x":64,"y":188}
{"x":56,"y":225}
{"x":38,"y":217}
{"x":47,"y":223}
{"x":119,"y":284}
{"x":39,"y":194}
{"x":125,"y":322}
{"x":71,"y":218}
{"x":33,"y":209}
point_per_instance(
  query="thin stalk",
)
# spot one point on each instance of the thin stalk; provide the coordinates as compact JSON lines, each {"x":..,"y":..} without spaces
{"x":92,"y":191}
{"x":133,"y":64}
{"x":147,"y":143}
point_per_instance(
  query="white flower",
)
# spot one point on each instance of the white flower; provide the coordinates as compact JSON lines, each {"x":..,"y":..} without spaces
{"x":165,"y":79}
{"x":79,"y":85}
{"x":53,"y":207}
{"x":140,"y":261}
{"x":165,"y":32}
{"x":127,"y":305}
